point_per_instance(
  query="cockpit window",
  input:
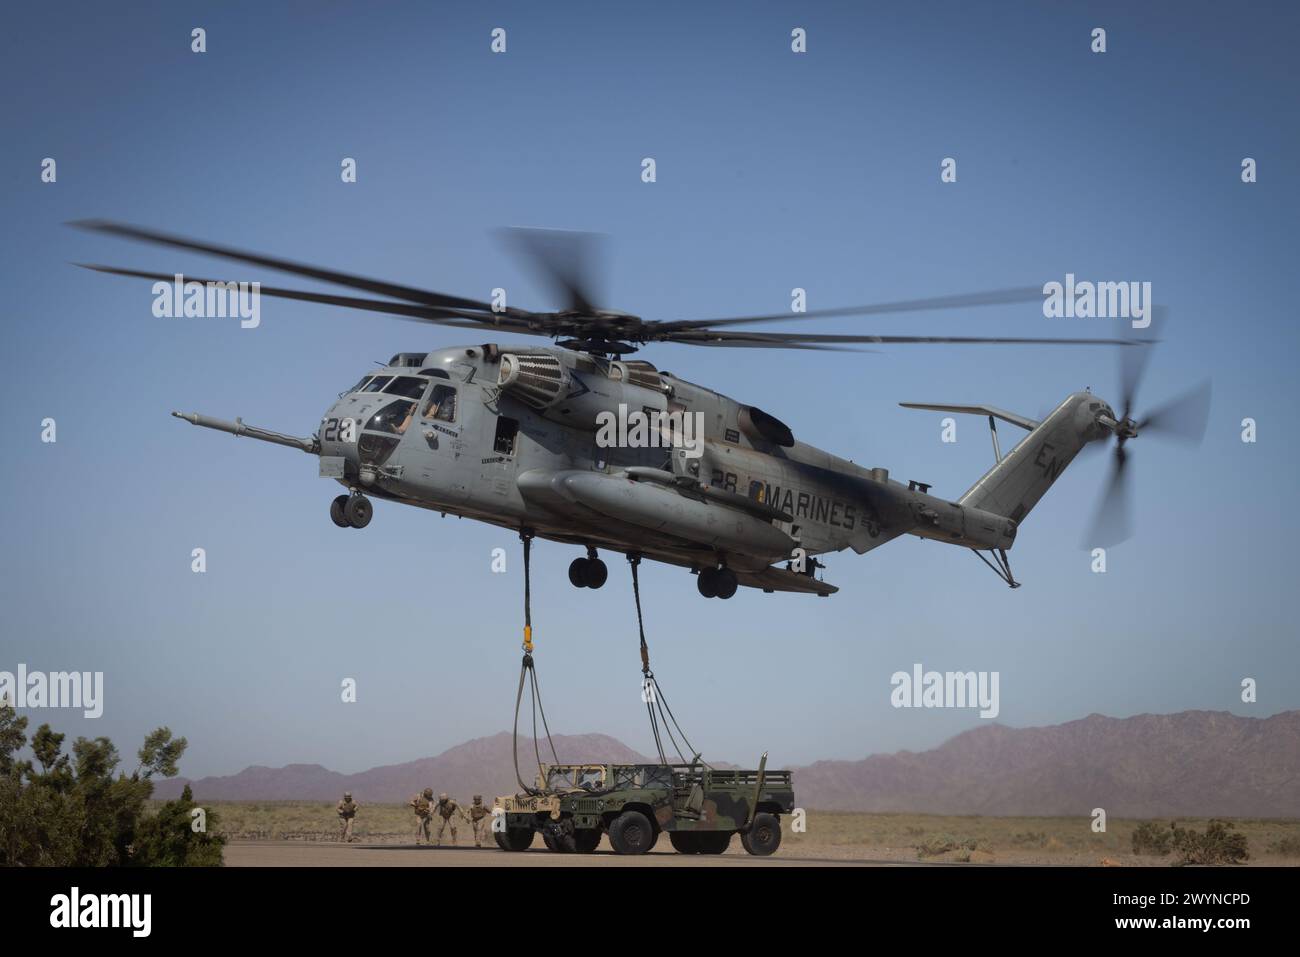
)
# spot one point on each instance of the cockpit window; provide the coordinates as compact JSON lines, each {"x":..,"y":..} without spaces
{"x":441,"y":404}
{"x":394,"y":417}
{"x":360,"y":385}
{"x":408,"y":386}
{"x":377,"y":383}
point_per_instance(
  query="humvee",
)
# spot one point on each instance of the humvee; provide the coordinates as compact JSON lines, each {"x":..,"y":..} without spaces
{"x":700,"y":808}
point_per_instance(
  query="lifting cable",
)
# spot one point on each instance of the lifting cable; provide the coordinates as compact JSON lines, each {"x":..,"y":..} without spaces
{"x":527,"y":669}
{"x":656,"y":704}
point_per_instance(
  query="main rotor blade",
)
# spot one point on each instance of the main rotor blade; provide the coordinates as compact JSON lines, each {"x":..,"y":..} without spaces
{"x":1112,"y":523}
{"x":764,"y":344}
{"x":994,"y":297}
{"x":565,"y":260}
{"x":709,"y":335}
{"x":408,"y":293}
{"x":402,"y":310}
{"x":1184,"y":417}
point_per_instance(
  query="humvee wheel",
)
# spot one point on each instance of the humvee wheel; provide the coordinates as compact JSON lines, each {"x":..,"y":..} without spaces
{"x":714,"y":842}
{"x":631,"y":833}
{"x":763,"y":836}
{"x":336,"y":512}
{"x":586,"y":840}
{"x":685,"y":842}
{"x":558,"y":841}
{"x":358,"y":511}
{"x":514,"y":838}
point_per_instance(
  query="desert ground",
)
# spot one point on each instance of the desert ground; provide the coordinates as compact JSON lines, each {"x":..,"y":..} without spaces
{"x":268,"y":833}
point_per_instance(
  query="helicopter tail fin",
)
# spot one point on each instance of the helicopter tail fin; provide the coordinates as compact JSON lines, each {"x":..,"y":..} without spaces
{"x":1019,"y":479}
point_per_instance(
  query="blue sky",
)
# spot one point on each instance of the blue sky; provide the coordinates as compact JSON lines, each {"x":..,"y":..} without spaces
{"x":775,"y":170}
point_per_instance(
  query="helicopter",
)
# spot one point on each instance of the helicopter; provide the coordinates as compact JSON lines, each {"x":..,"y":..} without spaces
{"x":508,"y":435}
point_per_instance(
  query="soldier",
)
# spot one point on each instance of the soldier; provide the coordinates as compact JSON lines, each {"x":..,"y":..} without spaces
{"x":446,"y":809}
{"x":347,"y":809}
{"x":480,"y":818}
{"x":422,"y":804}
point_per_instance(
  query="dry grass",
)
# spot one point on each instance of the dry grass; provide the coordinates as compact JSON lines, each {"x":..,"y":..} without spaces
{"x":829,"y":834}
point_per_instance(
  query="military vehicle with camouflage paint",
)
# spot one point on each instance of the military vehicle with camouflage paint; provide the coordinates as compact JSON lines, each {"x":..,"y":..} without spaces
{"x":698,"y":806}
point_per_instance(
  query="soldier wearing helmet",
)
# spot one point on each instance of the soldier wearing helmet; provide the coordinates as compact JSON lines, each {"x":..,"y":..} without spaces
{"x":347,"y":809}
{"x":422,"y":804}
{"x":480,"y":818}
{"x":447,"y":809}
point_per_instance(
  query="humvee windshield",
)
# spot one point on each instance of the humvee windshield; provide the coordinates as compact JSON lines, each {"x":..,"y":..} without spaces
{"x":560,"y":779}
{"x":645,"y":776}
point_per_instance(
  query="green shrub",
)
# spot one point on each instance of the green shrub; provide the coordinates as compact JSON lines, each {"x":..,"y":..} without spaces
{"x":1218,"y":845}
{"x":1151,"y":838}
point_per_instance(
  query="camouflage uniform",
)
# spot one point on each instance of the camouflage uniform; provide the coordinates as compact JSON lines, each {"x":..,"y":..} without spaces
{"x":446,"y":808}
{"x":480,"y":818}
{"x":422,"y":804}
{"x":347,"y":809}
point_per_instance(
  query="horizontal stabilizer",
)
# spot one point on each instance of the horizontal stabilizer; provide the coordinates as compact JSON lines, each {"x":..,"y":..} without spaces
{"x":1020,"y":420}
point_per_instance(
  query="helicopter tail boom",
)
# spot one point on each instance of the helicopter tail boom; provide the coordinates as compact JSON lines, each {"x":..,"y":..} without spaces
{"x":1019,"y":479}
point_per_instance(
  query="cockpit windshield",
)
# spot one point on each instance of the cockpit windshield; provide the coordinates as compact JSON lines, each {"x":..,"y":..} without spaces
{"x":394,"y":417}
{"x":360,"y":385}
{"x":408,"y":386}
{"x":377,"y":383}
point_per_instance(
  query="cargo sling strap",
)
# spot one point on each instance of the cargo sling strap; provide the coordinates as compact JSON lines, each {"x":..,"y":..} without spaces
{"x":656,"y":704}
{"x":528,"y":671}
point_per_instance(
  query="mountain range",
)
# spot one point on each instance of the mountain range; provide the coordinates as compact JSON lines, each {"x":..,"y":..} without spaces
{"x":1189,"y":764}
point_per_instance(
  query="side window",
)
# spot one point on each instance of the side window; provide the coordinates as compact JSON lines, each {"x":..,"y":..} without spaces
{"x":441,"y":404}
{"x":507,"y":430}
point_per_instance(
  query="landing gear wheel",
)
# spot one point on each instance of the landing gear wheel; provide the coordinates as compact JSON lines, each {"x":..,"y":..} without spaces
{"x":336,"y":512}
{"x":763,"y":836}
{"x":594,"y":573}
{"x":707,"y":582}
{"x":714,"y":842}
{"x":514,"y":838}
{"x":358,"y":511}
{"x":725,"y":583}
{"x":578,"y":573}
{"x":631,"y":833}
{"x":586,"y":840}
{"x":685,"y":842}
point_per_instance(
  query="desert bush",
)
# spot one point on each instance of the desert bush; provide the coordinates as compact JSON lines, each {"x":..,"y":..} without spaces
{"x":1151,"y":838}
{"x":944,"y":843}
{"x":1218,"y":845}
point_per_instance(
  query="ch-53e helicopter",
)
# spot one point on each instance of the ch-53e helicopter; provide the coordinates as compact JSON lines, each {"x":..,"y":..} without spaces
{"x":507,"y":434}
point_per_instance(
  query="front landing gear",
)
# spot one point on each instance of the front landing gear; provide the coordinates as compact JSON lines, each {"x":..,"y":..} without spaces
{"x":716,"y":582}
{"x":351,"y":511}
{"x":589,"y":572}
